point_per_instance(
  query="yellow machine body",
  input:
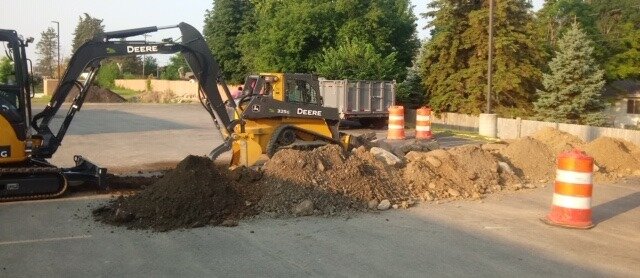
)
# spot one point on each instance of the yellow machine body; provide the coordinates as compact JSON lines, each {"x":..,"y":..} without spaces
{"x":12,"y":149}
{"x":252,"y":139}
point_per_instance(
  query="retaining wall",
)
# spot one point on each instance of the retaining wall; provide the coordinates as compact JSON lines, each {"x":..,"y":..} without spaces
{"x":516,"y":128}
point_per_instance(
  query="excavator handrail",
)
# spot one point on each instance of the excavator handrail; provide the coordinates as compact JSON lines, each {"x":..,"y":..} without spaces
{"x":88,"y":56}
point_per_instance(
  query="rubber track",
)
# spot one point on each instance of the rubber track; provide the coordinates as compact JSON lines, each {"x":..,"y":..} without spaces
{"x":34,"y":170}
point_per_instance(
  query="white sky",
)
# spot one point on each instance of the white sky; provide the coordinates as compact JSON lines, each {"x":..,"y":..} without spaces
{"x":31,"y":17}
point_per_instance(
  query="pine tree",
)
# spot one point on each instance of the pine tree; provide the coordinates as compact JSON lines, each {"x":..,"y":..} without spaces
{"x":87,"y":28}
{"x":47,"y":50}
{"x":223,"y":25}
{"x":572,"y":90}
{"x":454,"y":64}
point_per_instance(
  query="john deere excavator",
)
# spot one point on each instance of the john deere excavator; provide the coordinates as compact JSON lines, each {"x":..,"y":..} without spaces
{"x":275,"y":111}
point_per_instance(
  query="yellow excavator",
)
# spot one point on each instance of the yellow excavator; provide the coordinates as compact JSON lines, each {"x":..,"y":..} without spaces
{"x":275,"y":110}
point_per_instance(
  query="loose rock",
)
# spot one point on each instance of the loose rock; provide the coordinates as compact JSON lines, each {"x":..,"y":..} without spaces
{"x":384,"y":205}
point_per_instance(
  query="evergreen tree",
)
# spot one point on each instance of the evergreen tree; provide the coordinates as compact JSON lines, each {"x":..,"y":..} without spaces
{"x":47,"y":50}
{"x":411,"y":92}
{"x":572,"y":90}
{"x":454,"y":64}
{"x":223,"y":25}
{"x":87,"y":28}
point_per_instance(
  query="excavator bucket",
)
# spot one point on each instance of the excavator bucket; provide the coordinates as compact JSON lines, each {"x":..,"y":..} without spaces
{"x":245,"y":152}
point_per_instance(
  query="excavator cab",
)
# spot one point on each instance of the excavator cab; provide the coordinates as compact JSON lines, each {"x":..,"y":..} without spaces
{"x":14,"y":101}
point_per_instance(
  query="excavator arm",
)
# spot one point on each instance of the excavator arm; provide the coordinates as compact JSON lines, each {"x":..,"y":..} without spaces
{"x":89,"y":56}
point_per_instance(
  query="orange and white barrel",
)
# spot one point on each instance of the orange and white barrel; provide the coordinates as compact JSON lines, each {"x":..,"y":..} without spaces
{"x":423,"y":123}
{"x":571,"y":205}
{"x":396,"y":123}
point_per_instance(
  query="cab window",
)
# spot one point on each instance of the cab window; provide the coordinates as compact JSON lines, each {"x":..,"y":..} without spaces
{"x":8,"y":89}
{"x":301,"y":91}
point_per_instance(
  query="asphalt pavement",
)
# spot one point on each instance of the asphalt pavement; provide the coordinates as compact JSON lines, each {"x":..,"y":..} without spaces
{"x":500,"y":236}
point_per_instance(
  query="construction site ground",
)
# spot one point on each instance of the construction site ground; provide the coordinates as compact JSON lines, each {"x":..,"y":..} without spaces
{"x":498,"y":236}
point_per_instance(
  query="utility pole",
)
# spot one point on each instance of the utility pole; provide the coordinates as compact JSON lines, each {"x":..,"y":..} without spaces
{"x":490,"y":58}
{"x":144,"y":57}
{"x":58,"y":35}
{"x":488,"y":122}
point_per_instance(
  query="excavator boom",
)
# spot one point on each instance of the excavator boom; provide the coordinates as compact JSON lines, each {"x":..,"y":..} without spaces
{"x":25,"y":172}
{"x":88,"y":58}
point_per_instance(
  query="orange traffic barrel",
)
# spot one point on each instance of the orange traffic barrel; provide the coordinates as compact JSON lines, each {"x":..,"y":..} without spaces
{"x":423,"y":123}
{"x":396,"y":123}
{"x":571,"y":205}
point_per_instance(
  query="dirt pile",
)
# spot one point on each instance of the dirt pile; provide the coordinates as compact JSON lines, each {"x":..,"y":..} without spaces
{"x":332,"y":180}
{"x":192,"y":195}
{"x":558,"y":141}
{"x":531,"y":159}
{"x":460,"y":172}
{"x":96,"y":95}
{"x":615,"y":157}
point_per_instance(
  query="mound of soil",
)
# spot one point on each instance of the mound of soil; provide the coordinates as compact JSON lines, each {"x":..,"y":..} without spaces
{"x":460,"y":172}
{"x":531,"y":159}
{"x":333,"y":181}
{"x":96,"y":95}
{"x":192,"y":195}
{"x":615,"y":156}
{"x":558,"y":141}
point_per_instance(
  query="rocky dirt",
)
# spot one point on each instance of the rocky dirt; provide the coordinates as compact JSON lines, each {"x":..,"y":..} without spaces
{"x":333,"y":180}
{"x":615,"y":157}
{"x":96,"y":95}
{"x":460,"y":172}
{"x":531,"y":159}
{"x":329,"y":181}
{"x":558,"y":141}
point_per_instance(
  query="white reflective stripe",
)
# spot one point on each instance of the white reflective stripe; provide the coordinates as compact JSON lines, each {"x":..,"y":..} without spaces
{"x":395,"y":117}
{"x":396,"y":127}
{"x":571,"y":201}
{"x":423,"y":128}
{"x":423,"y":118}
{"x":574,"y":177}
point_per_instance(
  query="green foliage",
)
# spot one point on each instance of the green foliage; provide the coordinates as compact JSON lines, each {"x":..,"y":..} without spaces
{"x":6,"y":70}
{"x":171,"y":71}
{"x":107,"y":75}
{"x":411,"y":92}
{"x":572,"y":91}
{"x":150,"y":66}
{"x":223,"y":25}
{"x":613,"y":25}
{"x":356,"y":60}
{"x":129,"y":65}
{"x":47,"y":50}
{"x":291,"y":36}
{"x":389,"y":26}
{"x":87,"y":28}
{"x":556,"y":16}
{"x":626,"y":63}
{"x":454,"y":62}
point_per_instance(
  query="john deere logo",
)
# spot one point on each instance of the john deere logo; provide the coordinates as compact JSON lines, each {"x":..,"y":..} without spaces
{"x":5,"y":151}
{"x":110,"y":50}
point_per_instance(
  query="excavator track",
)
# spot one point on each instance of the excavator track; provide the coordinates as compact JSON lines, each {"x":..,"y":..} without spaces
{"x":30,"y":172}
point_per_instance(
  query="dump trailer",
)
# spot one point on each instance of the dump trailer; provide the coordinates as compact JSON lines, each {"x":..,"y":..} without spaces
{"x":366,"y":101}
